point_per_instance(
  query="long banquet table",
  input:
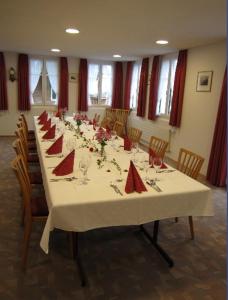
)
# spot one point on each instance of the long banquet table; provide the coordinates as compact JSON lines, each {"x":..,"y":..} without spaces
{"x":77,"y":208}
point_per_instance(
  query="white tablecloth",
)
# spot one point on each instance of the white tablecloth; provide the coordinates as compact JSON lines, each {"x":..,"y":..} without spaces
{"x":76,"y":207}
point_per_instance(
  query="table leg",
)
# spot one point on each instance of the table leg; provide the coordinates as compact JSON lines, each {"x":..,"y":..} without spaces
{"x":153,"y":239}
{"x":77,"y":258}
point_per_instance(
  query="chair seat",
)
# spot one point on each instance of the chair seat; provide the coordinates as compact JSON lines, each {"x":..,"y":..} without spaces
{"x":35,"y":177}
{"x":39,"y":207}
{"x":31,"y":138}
{"x":31,"y":145}
{"x":33,"y":157}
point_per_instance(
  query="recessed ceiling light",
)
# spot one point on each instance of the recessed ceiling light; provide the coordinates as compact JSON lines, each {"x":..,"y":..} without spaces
{"x":162,"y":42}
{"x":117,"y":55}
{"x":72,"y":30}
{"x":55,"y":50}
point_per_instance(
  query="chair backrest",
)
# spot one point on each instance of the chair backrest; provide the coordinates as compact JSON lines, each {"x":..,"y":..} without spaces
{"x":189,"y":163}
{"x":107,"y":122}
{"x":19,"y":149}
{"x":24,"y":123}
{"x":122,"y":115}
{"x":158,"y":145}
{"x":21,"y":136}
{"x":119,"y":128}
{"x":134,"y":134}
{"x":21,"y":172}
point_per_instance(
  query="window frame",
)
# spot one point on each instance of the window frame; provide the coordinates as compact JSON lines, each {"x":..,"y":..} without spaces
{"x":100,"y":63}
{"x":170,"y":57}
{"x":44,"y":75}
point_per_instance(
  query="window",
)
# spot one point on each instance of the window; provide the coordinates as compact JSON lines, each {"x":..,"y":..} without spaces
{"x":166,"y":82}
{"x":44,"y":81}
{"x":135,"y":84}
{"x":100,"y":81}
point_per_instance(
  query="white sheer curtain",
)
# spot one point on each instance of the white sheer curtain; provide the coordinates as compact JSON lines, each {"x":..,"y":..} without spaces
{"x":52,"y":70}
{"x":35,"y":69}
{"x":135,"y":84}
{"x":93,"y":81}
{"x":107,"y":82}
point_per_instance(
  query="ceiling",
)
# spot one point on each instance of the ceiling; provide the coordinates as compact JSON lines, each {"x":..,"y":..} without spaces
{"x":128,"y":27}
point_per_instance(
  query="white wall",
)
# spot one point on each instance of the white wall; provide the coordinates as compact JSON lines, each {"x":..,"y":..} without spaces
{"x":199,"y":108}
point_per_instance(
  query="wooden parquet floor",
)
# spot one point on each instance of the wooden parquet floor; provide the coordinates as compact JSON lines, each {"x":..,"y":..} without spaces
{"x":120,"y":263}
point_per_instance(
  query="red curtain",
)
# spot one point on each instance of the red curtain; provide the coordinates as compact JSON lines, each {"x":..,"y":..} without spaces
{"x":178,"y":90}
{"x":216,"y":172}
{"x":143,"y":88}
{"x":127,"y":88}
{"x":82,"y":93}
{"x":117,"y":93}
{"x":154,"y":82}
{"x":3,"y":90}
{"x":63,"y":84}
{"x":23,"y":82}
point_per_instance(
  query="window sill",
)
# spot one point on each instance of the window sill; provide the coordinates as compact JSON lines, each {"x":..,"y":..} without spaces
{"x":99,"y":106}
{"x":46,"y":105}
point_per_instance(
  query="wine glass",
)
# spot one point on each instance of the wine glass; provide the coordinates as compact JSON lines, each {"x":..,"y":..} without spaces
{"x":157,"y":162}
{"x":134,"y":150}
{"x":113,"y":134}
{"x":83,"y":167}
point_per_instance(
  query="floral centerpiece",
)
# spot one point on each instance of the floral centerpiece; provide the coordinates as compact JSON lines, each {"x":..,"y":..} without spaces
{"x":78,"y":118}
{"x":102,"y":136}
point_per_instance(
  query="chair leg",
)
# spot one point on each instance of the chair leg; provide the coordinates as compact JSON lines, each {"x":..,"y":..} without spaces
{"x":191,"y":227}
{"x":27,"y":233}
{"x":176,"y":220}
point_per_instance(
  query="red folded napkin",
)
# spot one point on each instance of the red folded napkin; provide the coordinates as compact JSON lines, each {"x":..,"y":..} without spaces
{"x":58,"y":114}
{"x":56,"y":147}
{"x":66,"y":166}
{"x":42,"y":115}
{"x":134,"y":181}
{"x":127,"y":143}
{"x":46,"y":126}
{"x":50,"y":134}
{"x":43,"y":120}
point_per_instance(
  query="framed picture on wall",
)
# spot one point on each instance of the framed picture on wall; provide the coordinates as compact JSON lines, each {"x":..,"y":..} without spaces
{"x":204,"y":81}
{"x":73,"y":77}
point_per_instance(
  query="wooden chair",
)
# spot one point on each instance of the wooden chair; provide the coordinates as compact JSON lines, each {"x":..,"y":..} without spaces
{"x":107,"y":122}
{"x":29,"y":133}
{"x":119,"y":128}
{"x":134,"y":134}
{"x":29,"y":157}
{"x":158,"y":145}
{"x":34,"y":176}
{"x":122,"y":115}
{"x":190,"y":164}
{"x":35,"y":208}
{"x":31,"y":143}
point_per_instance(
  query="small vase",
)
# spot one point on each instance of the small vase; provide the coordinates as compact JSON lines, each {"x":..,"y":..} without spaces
{"x":78,"y":129}
{"x":102,"y":152}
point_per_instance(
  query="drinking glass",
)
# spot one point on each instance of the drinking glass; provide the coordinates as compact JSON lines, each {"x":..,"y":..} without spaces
{"x":83,"y":167}
{"x":113,"y":133}
{"x":134,"y":150}
{"x":157,"y":162}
